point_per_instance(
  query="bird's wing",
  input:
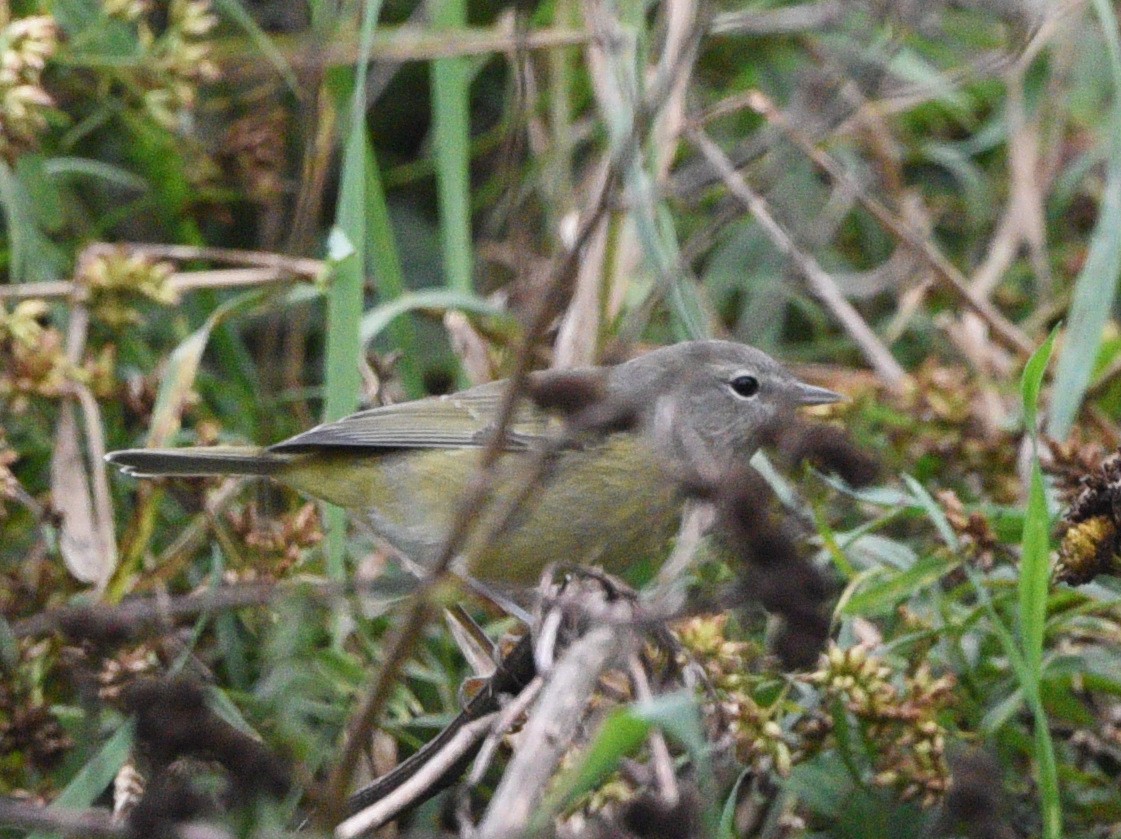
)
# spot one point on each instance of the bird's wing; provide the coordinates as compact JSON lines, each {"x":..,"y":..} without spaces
{"x":459,"y":420}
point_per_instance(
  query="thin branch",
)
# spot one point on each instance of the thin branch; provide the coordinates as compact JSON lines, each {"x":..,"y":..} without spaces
{"x":551,"y":728}
{"x":153,"y":614}
{"x":945,"y":273}
{"x":820,"y":283}
{"x":94,"y":822}
{"x":473,"y":500}
{"x":417,"y":787}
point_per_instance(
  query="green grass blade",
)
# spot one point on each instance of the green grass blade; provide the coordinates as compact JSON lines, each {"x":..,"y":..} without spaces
{"x":1096,"y":285}
{"x":342,"y":380}
{"x":1035,"y":571}
{"x":451,"y":92}
{"x":235,"y":11}
{"x":95,"y":777}
{"x":389,"y":277}
{"x":1034,"y":586}
{"x":381,"y":317}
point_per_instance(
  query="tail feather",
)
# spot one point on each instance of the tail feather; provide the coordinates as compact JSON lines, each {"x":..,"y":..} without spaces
{"x":196,"y":462}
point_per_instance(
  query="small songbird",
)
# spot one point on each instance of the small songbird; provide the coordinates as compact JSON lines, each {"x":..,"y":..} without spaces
{"x":611,"y":499}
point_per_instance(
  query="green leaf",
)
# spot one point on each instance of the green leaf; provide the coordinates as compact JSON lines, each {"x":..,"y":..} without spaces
{"x":389,"y":276}
{"x":71,"y":167}
{"x":727,"y":827}
{"x":933,"y":511}
{"x":1096,"y":285}
{"x":451,"y":144}
{"x":889,"y":588}
{"x":178,"y":379}
{"x":375,"y":321}
{"x":622,"y":733}
{"x":1035,"y":573}
{"x":234,"y":10}
{"x":342,"y":379}
{"x":1031,"y":382}
{"x":96,"y":776}
{"x":33,"y":257}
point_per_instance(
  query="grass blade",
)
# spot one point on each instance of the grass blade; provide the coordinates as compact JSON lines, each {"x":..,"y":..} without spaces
{"x":389,"y":277}
{"x":1034,"y":586}
{"x":1096,"y":285}
{"x":1035,"y":571}
{"x":342,"y":379}
{"x":451,"y":92}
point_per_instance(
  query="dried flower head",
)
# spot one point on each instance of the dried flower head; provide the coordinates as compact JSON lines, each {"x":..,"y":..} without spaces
{"x":900,"y":717}
{"x":116,"y":279}
{"x":254,"y":149}
{"x":975,"y":535}
{"x":174,"y":61}
{"x":281,"y":540}
{"x":33,"y":359}
{"x":126,"y":10}
{"x":26,"y":45}
{"x":1091,"y":543}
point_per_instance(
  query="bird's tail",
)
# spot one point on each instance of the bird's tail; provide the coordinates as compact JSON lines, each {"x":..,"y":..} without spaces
{"x":197,"y":462}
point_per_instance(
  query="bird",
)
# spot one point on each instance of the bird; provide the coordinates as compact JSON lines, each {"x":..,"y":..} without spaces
{"x":610,"y":499}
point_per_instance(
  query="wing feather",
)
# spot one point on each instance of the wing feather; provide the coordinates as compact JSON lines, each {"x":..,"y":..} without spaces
{"x":458,"y":420}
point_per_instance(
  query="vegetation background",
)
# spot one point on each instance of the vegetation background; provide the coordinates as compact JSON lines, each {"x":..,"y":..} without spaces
{"x":213,"y":208}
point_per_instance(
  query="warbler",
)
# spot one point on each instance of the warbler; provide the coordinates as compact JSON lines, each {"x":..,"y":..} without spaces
{"x":610,"y":498}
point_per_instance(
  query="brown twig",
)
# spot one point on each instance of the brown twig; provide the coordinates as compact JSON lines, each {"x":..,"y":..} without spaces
{"x":819,"y":281}
{"x":139,"y":616}
{"x":473,"y":500}
{"x":551,"y":727}
{"x":94,"y":822}
{"x":945,"y":273}
{"x":406,"y":795}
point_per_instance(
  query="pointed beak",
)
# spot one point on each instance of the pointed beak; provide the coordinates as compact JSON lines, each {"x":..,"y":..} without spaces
{"x":805,"y":394}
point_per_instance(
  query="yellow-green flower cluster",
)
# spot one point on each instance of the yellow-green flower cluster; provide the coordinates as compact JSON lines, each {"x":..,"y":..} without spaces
{"x":9,"y":484}
{"x":174,"y":61}
{"x":26,"y":44}
{"x":33,"y":358}
{"x":901,"y":722}
{"x":127,"y":10}
{"x":117,"y":279}
{"x":726,"y":662}
{"x":760,"y":742}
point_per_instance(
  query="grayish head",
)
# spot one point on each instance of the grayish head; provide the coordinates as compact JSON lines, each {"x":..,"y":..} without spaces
{"x":711,"y":400}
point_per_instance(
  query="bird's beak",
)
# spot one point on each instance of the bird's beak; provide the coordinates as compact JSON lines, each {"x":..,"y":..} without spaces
{"x":805,"y":394}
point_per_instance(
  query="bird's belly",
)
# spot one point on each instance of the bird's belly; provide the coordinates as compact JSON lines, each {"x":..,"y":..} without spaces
{"x":611,"y":504}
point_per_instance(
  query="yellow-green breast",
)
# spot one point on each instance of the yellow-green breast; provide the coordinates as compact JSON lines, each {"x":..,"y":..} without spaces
{"x":611,"y":504}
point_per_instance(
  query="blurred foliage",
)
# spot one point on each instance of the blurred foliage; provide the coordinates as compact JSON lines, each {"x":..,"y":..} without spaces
{"x":985,"y":128}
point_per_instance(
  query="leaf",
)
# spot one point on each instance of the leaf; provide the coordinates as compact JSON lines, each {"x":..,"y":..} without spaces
{"x":727,"y":827}
{"x":236,"y":12}
{"x":342,"y":379}
{"x":933,"y":511}
{"x":389,"y":274}
{"x":1032,"y":381}
{"x":182,"y":366}
{"x":70,"y":167}
{"x":96,"y":776}
{"x":85,"y":541}
{"x":622,"y":733}
{"x":1035,"y":573}
{"x":889,"y":588}
{"x":33,"y":257}
{"x":1096,"y":285}
{"x":375,"y":321}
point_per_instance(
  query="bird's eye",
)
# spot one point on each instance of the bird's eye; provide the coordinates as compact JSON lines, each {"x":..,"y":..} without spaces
{"x":745,"y":386}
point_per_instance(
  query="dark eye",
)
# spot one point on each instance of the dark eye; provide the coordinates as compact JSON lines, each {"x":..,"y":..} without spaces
{"x":745,"y":386}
